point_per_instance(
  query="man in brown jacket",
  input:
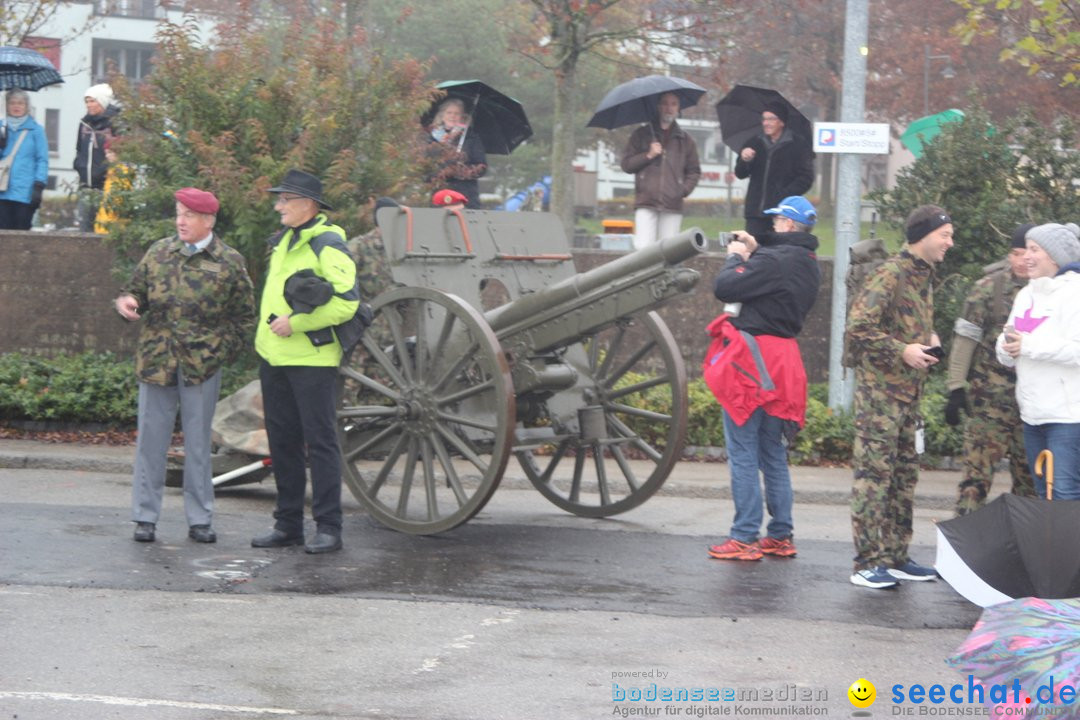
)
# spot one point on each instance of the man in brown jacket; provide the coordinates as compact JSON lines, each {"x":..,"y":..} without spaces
{"x":664,"y":161}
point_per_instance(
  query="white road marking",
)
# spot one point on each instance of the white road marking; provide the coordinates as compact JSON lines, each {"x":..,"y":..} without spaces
{"x":145,"y":702}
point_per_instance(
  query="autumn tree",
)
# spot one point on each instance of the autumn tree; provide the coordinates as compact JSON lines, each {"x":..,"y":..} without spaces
{"x":1041,"y":35}
{"x":233,"y":115}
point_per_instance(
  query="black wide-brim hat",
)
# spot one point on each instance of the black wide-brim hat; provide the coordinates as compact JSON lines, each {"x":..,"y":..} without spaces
{"x":304,"y":184}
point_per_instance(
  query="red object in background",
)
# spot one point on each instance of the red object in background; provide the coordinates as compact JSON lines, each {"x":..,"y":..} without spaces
{"x":49,"y":47}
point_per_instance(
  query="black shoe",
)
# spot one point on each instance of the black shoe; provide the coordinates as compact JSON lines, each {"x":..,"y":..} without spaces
{"x":144,"y":532}
{"x":277,"y":538}
{"x":202,"y":534}
{"x":323,"y":543}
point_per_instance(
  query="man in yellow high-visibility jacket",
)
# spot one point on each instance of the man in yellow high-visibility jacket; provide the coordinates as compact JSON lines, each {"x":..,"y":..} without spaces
{"x":300,"y":355}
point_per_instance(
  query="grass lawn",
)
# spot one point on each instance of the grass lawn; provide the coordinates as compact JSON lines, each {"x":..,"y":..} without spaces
{"x":711,"y":226}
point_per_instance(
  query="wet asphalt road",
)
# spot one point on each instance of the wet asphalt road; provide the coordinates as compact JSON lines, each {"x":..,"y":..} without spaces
{"x":576,"y":600}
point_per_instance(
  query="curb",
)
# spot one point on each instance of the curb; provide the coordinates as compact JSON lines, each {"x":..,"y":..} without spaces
{"x":674,"y":487}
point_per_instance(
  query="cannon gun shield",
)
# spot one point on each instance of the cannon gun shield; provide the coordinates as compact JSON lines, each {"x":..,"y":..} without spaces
{"x":426,"y":422}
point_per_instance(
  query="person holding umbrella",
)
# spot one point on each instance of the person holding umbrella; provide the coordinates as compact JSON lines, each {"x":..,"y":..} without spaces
{"x":459,"y":152}
{"x":1042,"y":341}
{"x":28,"y":151}
{"x":778,"y":162}
{"x":664,"y":161}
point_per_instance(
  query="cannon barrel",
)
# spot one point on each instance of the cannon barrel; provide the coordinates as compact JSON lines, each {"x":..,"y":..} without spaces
{"x":643,"y":279}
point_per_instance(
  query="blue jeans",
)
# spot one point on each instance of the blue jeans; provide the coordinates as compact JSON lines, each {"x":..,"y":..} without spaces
{"x":1063,"y":440}
{"x":758,"y":445}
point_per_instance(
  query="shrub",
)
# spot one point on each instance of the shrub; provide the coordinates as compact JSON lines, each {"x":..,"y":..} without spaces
{"x":89,"y":387}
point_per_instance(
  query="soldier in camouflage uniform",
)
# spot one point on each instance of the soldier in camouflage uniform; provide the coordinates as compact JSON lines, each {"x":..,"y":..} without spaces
{"x":890,"y":329}
{"x":199,"y":308}
{"x":985,"y":388}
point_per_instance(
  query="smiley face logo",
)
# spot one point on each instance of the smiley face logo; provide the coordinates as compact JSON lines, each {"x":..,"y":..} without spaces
{"x":862,"y":693}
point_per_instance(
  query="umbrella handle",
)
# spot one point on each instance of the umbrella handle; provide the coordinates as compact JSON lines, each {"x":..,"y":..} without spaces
{"x":1046,"y":458}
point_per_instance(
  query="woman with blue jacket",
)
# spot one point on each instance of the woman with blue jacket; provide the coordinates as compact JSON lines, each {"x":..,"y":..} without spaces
{"x":30,"y":168}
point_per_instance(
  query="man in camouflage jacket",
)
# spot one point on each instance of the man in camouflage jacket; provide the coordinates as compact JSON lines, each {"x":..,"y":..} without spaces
{"x":890,"y":329}
{"x":985,"y":388}
{"x":198,"y":306}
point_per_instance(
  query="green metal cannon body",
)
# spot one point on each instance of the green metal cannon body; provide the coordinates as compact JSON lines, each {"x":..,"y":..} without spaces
{"x":491,"y":345}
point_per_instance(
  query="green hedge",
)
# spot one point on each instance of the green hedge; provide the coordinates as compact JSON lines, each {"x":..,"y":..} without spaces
{"x":101,"y":388}
{"x":97,"y":388}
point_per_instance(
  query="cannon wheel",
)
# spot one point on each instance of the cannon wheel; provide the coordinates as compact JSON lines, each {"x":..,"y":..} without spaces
{"x":593,"y":478}
{"x":427,"y":428}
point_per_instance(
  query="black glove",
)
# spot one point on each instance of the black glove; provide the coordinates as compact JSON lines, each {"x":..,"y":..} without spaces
{"x":35,"y":194}
{"x":957,"y":400}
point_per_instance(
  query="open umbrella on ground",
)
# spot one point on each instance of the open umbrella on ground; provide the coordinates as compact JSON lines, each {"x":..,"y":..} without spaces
{"x":498,"y":119}
{"x":26,"y":69}
{"x":739,"y":113}
{"x":636,"y":101}
{"x":925,"y":129}
{"x":1029,"y":640}
{"x":1012,"y":547}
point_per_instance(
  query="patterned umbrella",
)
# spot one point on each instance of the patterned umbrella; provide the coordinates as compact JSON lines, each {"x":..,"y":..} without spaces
{"x":1029,"y":640}
{"x":26,"y":69}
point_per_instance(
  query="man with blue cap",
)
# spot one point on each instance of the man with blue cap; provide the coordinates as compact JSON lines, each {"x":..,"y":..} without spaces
{"x":775,"y":278}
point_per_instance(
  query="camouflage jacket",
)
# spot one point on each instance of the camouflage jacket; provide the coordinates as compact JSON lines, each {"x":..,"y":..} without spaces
{"x":879,"y":329}
{"x":986,"y":309}
{"x":197,"y":311}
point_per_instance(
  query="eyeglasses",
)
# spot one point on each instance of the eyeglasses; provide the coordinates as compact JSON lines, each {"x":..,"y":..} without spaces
{"x":287,"y":198}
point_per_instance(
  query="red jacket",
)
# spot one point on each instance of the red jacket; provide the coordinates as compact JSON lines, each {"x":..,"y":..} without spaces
{"x":746,"y":372}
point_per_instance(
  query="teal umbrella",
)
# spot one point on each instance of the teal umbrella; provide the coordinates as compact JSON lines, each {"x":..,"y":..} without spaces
{"x":925,"y":129}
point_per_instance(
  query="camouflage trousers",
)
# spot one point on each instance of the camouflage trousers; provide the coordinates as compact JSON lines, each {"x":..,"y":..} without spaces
{"x":989,"y":436}
{"x":886,"y":471}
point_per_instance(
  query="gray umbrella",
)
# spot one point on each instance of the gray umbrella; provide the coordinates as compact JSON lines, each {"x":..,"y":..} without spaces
{"x":636,"y":101}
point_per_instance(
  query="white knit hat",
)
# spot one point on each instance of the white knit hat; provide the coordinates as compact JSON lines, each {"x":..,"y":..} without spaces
{"x":102,"y":93}
{"x":1060,"y":242}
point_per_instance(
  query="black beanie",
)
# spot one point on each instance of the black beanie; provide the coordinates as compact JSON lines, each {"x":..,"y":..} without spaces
{"x":1019,"y":236}
{"x":778,"y":109}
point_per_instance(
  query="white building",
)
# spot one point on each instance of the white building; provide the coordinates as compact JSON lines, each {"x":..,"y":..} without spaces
{"x":85,"y":41}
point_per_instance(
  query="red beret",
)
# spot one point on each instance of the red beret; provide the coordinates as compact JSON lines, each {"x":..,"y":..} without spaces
{"x":198,"y":200}
{"x":448,"y":197}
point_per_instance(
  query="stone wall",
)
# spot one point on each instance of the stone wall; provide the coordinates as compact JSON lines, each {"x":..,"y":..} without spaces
{"x":56,"y":293}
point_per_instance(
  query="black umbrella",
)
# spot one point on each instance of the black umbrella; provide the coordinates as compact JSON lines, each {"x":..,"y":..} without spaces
{"x":739,"y":113}
{"x":498,"y":119}
{"x":1013,"y":547}
{"x":25,"y":69}
{"x":636,"y":101}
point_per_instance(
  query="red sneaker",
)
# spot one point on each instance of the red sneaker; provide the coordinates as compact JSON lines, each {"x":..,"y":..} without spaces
{"x":732,"y":549}
{"x":777,"y":548}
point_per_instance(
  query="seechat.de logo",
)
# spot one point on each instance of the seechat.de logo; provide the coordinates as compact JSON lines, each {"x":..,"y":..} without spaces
{"x":826,"y":137}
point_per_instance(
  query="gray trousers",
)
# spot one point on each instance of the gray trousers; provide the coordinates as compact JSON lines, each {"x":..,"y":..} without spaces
{"x":157,"y":417}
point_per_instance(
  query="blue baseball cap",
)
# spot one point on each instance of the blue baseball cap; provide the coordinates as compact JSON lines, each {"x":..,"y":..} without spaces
{"x":796,"y":208}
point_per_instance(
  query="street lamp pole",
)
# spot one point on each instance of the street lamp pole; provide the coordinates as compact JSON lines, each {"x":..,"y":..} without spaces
{"x":948,"y":72}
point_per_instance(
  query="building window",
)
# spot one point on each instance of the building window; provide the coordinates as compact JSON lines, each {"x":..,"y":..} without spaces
{"x":132,"y":60}
{"x":711,"y":148}
{"x":129,"y":8}
{"x":52,"y":129}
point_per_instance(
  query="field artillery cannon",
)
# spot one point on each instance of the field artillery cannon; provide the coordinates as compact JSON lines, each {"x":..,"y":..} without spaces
{"x":491,"y":345}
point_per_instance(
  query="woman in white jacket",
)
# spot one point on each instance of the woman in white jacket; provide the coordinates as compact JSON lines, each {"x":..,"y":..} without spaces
{"x":1042,"y":340}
